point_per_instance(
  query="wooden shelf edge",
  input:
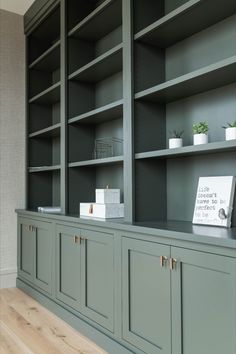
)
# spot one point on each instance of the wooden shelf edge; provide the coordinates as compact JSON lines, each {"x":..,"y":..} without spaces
{"x":43,"y":93}
{"x":46,"y":130}
{"x":187,"y":227}
{"x":96,"y":61}
{"x":94,"y":13}
{"x":209,"y":148}
{"x":97,"y":162}
{"x":96,"y":111}
{"x":167,"y":18}
{"x":44,"y":169}
{"x":175,"y":26}
{"x":45,"y":54}
{"x":187,"y":77}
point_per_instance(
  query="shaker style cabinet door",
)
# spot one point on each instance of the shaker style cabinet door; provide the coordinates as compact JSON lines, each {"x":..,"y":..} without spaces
{"x":204,"y":303}
{"x":98,"y":277}
{"x":68,"y":260}
{"x":146,"y":296}
{"x":43,"y":255}
{"x":35,"y":252}
{"x":26,"y":247}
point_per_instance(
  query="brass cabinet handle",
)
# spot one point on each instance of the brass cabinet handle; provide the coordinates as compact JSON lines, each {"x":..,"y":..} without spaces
{"x":77,"y":239}
{"x":163,"y":260}
{"x":173,"y":263}
{"x":31,"y":228}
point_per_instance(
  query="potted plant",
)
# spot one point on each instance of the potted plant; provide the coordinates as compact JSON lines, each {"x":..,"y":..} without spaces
{"x":230,"y":131}
{"x":200,"y":131}
{"x":175,"y":140}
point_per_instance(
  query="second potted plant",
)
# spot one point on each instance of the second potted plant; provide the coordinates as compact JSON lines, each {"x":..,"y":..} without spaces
{"x":230,"y":131}
{"x":175,"y":140}
{"x":200,"y":131}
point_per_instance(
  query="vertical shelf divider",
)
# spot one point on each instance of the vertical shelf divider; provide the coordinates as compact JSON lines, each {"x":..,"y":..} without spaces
{"x":128,"y":112}
{"x":64,"y":184}
{"x":27,"y":196}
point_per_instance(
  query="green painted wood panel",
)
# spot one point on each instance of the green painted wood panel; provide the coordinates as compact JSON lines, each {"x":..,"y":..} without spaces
{"x":204,"y":307}
{"x":37,"y":12}
{"x":128,"y":109}
{"x":26,"y":239}
{"x":68,"y":273}
{"x":146,"y":296}
{"x":203,"y":286}
{"x":63,"y":183}
{"x":98,"y":277}
{"x":43,"y":255}
{"x":196,"y":301}
{"x":35,"y":252}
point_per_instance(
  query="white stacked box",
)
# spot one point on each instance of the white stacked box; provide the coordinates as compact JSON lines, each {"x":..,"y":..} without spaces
{"x":105,"y":211}
{"x":104,"y":196}
{"x":107,"y":205}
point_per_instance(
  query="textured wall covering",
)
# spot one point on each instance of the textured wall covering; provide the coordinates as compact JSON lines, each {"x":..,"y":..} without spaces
{"x":12,"y":137}
{"x":16,"y":6}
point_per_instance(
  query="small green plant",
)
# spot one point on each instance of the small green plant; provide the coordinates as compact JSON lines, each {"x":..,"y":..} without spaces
{"x":230,"y":125}
{"x":200,"y":128}
{"x":176,"y":134}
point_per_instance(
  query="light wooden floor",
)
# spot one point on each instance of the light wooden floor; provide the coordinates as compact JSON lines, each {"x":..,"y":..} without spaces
{"x":28,"y":328}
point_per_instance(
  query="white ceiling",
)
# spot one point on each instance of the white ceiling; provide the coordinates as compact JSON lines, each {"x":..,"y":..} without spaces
{"x":17,"y":6}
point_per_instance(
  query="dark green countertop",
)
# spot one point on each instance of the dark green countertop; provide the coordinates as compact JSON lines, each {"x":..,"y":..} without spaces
{"x":178,"y":230}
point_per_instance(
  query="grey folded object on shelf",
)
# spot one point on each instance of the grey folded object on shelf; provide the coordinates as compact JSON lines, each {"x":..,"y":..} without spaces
{"x":50,"y":210}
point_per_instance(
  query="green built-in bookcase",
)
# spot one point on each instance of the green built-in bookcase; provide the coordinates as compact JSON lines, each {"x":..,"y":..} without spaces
{"x":132,"y":71}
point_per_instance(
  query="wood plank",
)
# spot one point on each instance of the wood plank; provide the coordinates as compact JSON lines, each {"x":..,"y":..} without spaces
{"x":10,"y":343}
{"x":100,"y":68}
{"x":49,"y":326}
{"x":29,"y":325}
{"x":49,"y":96}
{"x":26,"y":331}
{"x":105,"y":113}
{"x":204,"y":79}
{"x":191,"y":150}
{"x":99,"y":22}
{"x":178,"y":24}
{"x":97,"y":162}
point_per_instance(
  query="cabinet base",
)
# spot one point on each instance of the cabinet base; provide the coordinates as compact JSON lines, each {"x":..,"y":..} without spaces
{"x":108,"y":344}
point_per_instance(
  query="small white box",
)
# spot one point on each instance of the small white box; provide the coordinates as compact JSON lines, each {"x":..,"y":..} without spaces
{"x":105,"y":211}
{"x":107,"y":195}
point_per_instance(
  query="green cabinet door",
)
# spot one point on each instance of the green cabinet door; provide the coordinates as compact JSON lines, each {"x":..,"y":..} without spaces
{"x":26,"y":246}
{"x":204,"y":303}
{"x":68,"y":260}
{"x":35,"y":252}
{"x":97,"y":270}
{"x":146,"y":296}
{"x":43,"y":255}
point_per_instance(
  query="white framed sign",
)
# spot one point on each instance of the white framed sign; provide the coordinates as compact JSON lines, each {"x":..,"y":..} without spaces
{"x":214,"y":201}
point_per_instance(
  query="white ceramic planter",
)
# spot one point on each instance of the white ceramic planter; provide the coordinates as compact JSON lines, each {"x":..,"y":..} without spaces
{"x":175,"y":143}
{"x":199,"y":139}
{"x":230,"y":133}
